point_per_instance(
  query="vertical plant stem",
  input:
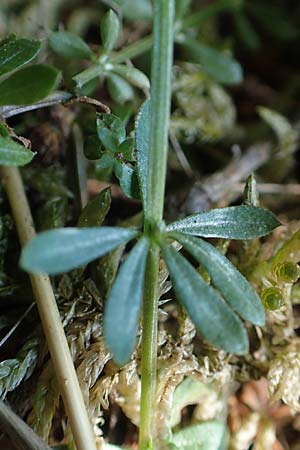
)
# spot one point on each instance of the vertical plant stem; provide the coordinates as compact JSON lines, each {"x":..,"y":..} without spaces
{"x":162,"y":58}
{"x":161,"y":70}
{"x":149,"y":350}
{"x":49,"y":314}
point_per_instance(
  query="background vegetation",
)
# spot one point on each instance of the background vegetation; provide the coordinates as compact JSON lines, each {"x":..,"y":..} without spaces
{"x":235,"y":111}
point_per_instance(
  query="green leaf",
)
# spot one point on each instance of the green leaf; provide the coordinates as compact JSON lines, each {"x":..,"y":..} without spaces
{"x":181,"y":8}
{"x":126,"y":149}
{"x":246,"y":31}
{"x":214,"y":319}
{"x":96,"y":210}
{"x":132,"y":75}
{"x":112,"y":123}
{"x":236,"y":290}
{"x":109,"y":28}
{"x":107,"y":138}
{"x":211,"y":435}
{"x":136,"y":10}
{"x":234,"y":222}
{"x":273,"y":19}
{"x":142,"y":143}
{"x":14,"y":154}
{"x":92,"y":147}
{"x":107,"y":268}
{"x":287,"y":135}
{"x":52,"y":214}
{"x":188,"y":392}
{"x":60,"y":250}
{"x":28,"y":85}
{"x":106,"y":161}
{"x":124,"y":303}
{"x":16,"y":52}
{"x":119,"y":89}
{"x":69,"y":45}
{"x":220,"y":67}
{"x":129,"y":182}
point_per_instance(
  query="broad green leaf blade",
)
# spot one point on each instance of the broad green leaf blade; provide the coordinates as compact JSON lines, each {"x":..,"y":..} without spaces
{"x":14,"y":154}
{"x":142,"y":142}
{"x":109,"y":29}
{"x":211,"y":435}
{"x":28,"y":85}
{"x":236,"y":290}
{"x":60,"y":250}
{"x":220,"y":67}
{"x":214,"y":319}
{"x":16,"y":52}
{"x":234,"y":222}
{"x":124,"y":302}
{"x":96,"y":210}
{"x":69,"y":45}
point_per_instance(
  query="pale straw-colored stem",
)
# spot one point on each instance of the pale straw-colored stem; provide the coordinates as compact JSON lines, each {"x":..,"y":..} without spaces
{"x":57,"y":343}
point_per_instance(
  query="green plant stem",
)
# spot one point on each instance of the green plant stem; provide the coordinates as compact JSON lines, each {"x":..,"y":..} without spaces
{"x":50,"y":318}
{"x":161,"y":70}
{"x":132,"y":51}
{"x":162,"y":58}
{"x":149,"y":349}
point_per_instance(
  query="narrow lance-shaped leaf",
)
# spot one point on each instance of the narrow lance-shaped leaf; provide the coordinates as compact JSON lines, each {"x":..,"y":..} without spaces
{"x":119,"y":89}
{"x":96,"y":210}
{"x":60,"y":250}
{"x":16,"y":52}
{"x":236,"y":290}
{"x":219,"y":66}
{"x":234,"y":222}
{"x":124,"y":303}
{"x":14,"y":154}
{"x":142,"y":141}
{"x":69,"y":45}
{"x":28,"y":85}
{"x":215,"y":320}
{"x":131,"y":74}
{"x":109,"y":28}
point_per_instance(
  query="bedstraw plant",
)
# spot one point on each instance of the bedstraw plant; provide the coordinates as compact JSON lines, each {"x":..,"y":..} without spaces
{"x":217,"y":308}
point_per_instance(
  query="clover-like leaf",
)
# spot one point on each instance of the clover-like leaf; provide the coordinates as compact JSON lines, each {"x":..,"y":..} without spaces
{"x":142,"y":142}
{"x":116,"y":128}
{"x":60,"y":250}
{"x":214,"y":319}
{"x":14,"y":53}
{"x":234,"y":222}
{"x":28,"y":85}
{"x":69,"y":45}
{"x":236,"y":290}
{"x":124,"y":304}
{"x":220,"y":67}
{"x":14,"y":154}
